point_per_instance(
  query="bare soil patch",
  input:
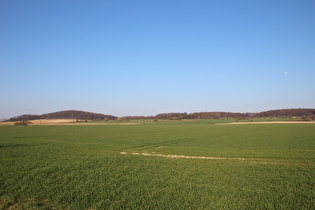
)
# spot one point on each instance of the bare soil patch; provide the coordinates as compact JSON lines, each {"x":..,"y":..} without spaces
{"x":75,"y":123}
{"x":65,"y":122}
{"x":6,"y":123}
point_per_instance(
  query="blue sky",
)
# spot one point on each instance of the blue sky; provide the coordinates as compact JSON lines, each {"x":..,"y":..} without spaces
{"x":145,"y":57}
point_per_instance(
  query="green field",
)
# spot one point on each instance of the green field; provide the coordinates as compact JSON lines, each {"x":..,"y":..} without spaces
{"x":268,"y":166}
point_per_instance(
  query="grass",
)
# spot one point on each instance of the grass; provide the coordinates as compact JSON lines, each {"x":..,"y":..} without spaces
{"x":81,"y":167}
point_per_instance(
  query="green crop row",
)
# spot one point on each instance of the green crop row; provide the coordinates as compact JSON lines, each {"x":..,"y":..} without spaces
{"x":158,"y":165}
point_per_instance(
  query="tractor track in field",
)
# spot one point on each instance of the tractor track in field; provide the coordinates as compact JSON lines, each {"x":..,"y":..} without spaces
{"x":253,"y":160}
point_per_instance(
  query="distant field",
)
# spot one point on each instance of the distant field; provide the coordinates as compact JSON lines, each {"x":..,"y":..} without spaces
{"x":66,"y":122}
{"x":43,"y":121}
{"x":193,"y":164}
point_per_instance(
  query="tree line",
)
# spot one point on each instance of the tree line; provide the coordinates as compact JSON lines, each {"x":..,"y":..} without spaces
{"x":306,"y":114}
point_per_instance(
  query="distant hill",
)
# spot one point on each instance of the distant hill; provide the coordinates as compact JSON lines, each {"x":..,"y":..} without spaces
{"x":286,"y":113}
{"x":70,"y":114}
{"x":81,"y":115}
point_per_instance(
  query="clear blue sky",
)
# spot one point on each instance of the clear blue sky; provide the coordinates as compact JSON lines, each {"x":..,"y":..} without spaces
{"x":144,"y":57}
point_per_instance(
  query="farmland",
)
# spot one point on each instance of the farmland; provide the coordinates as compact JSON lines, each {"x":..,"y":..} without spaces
{"x":188,"y":164}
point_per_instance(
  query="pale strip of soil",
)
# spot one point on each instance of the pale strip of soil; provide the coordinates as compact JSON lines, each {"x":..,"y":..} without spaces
{"x":52,"y":121}
{"x":254,"y":160}
{"x":270,"y":122}
{"x":6,"y":123}
{"x":64,"y":122}
{"x":87,"y":123}
{"x":43,"y":122}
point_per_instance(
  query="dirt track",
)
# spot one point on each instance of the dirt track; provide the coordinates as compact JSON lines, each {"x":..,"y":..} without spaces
{"x":253,"y":160}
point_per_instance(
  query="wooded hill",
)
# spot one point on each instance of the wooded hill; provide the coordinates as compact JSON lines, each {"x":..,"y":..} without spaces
{"x":70,"y":114}
{"x":306,"y":114}
{"x":286,"y":113}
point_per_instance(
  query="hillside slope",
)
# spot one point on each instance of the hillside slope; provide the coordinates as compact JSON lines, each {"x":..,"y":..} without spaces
{"x":69,"y":114}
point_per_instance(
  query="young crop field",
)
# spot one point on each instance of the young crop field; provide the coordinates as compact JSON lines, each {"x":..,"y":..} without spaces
{"x":189,"y":164}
